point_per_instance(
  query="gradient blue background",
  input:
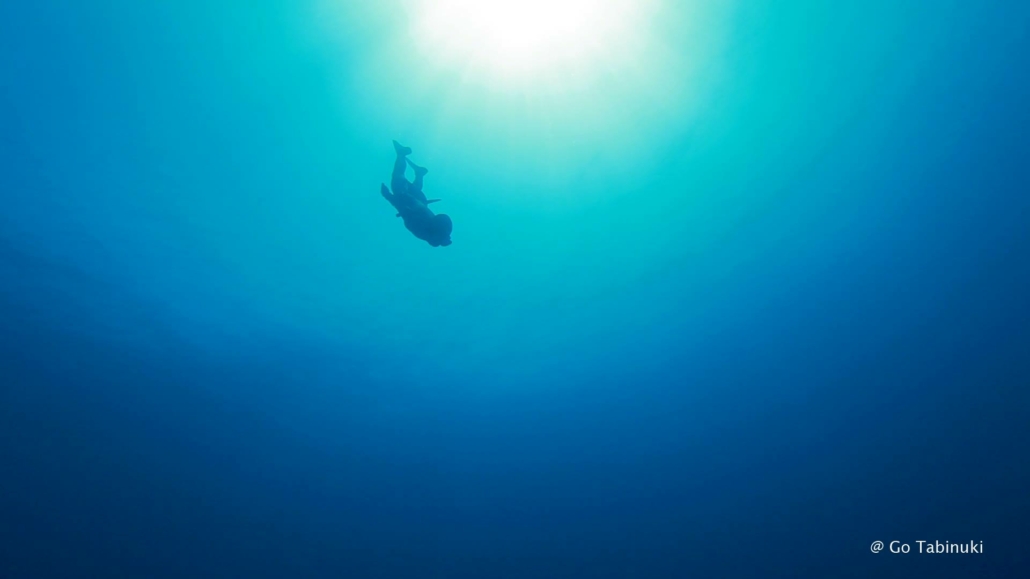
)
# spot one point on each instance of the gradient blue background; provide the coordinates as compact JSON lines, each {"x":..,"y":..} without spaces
{"x":740,"y":316}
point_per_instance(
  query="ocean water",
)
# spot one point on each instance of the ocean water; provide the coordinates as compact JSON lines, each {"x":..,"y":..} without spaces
{"x":743,"y":294}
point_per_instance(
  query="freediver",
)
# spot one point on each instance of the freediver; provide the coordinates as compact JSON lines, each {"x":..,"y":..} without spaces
{"x":411,"y":204}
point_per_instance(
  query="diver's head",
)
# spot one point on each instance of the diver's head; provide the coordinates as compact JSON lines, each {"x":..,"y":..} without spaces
{"x":442,"y":227}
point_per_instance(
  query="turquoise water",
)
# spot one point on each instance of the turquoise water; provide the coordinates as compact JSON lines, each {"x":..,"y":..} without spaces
{"x":747,"y":293}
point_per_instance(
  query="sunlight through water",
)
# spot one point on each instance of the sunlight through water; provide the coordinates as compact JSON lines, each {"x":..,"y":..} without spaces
{"x":514,"y":38}
{"x":550,"y":102}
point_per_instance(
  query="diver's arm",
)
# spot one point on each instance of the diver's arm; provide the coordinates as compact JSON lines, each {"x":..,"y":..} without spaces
{"x":390,"y":197}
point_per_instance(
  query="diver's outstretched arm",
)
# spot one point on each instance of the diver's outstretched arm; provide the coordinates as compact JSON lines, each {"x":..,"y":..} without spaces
{"x":390,"y":197}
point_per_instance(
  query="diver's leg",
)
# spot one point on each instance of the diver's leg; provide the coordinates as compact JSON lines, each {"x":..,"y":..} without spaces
{"x":397,"y":181}
{"x":416,"y":186}
{"x":398,"y":174}
{"x":420,"y":171}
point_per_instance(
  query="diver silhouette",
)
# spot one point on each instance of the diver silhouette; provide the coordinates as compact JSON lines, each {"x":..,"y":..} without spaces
{"x":411,"y":203}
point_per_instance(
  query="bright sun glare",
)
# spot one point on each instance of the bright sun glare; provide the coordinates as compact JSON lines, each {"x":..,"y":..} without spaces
{"x":521,"y":36}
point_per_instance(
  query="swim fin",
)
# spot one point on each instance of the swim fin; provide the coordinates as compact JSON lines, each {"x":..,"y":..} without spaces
{"x":401,"y":149}
{"x":421,"y":171}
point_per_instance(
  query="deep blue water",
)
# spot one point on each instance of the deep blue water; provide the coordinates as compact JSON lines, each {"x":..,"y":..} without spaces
{"x":737,"y":306}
